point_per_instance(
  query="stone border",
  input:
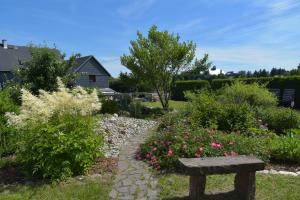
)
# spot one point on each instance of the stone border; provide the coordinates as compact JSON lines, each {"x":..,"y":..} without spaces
{"x":272,"y":171}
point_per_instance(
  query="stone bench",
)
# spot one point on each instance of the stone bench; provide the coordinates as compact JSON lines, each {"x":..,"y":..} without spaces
{"x":244,"y":167}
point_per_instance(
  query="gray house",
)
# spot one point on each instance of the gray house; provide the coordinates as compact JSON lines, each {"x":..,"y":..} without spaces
{"x":92,"y":73}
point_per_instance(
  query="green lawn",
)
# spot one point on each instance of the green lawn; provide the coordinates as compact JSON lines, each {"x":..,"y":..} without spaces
{"x":89,"y":188}
{"x":178,"y":105}
{"x":268,"y":187}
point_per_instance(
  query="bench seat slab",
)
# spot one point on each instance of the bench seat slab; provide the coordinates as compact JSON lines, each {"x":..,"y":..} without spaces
{"x":221,"y":165}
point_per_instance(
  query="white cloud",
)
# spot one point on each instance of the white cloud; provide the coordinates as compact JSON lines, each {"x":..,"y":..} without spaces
{"x":135,"y":8}
{"x":250,"y":56}
{"x":192,"y":24}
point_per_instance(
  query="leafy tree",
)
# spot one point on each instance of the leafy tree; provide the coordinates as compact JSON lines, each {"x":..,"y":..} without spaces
{"x":157,"y":60}
{"x":127,"y":82}
{"x":42,"y":70}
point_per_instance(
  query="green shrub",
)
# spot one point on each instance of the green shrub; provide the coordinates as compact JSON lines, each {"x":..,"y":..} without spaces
{"x":204,"y":108}
{"x":8,"y":135}
{"x":279,"y":119}
{"x":286,"y":149}
{"x":135,"y":109}
{"x":236,"y":117}
{"x":183,"y":86}
{"x":207,"y":111}
{"x":287,"y":82}
{"x":65,"y":146}
{"x":253,"y":94}
{"x":109,"y":106}
{"x":56,"y":132}
{"x":163,"y":149}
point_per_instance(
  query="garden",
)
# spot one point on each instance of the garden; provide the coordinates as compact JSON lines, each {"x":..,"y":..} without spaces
{"x":62,"y":142}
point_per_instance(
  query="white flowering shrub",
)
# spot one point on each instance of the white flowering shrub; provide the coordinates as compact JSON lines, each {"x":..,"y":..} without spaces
{"x":57,"y":137}
{"x":39,"y":109}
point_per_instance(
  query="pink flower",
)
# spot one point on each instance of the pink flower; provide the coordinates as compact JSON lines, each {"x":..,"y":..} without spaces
{"x":197,"y":154}
{"x":201,"y":149}
{"x":216,"y":145}
{"x":154,"y":149}
{"x":170,"y":152}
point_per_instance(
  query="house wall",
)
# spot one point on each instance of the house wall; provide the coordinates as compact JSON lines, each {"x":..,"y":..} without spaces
{"x":92,"y":68}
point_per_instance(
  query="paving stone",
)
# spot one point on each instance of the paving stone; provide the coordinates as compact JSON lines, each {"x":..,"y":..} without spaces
{"x":134,"y":179}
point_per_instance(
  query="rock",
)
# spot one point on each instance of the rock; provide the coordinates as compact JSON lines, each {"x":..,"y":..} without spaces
{"x":118,"y":130}
{"x":298,"y":173}
{"x":287,"y":173}
{"x":272,"y":171}
{"x":265,"y":171}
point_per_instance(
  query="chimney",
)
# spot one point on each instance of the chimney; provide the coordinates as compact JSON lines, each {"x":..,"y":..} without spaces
{"x":4,"y":44}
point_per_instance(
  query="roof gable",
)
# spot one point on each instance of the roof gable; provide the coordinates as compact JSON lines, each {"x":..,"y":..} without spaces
{"x":80,"y":62}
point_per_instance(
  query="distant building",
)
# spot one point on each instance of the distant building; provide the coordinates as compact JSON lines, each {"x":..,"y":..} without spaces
{"x":215,"y":71}
{"x":92,"y":72}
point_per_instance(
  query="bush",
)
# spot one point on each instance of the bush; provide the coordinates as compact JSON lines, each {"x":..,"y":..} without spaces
{"x":163,"y":149}
{"x":207,"y":111}
{"x":182,"y":86}
{"x":280,"y":119}
{"x":109,"y":106}
{"x":236,"y":117}
{"x":8,"y":135}
{"x":57,"y":137}
{"x":286,"y":149}
{"x":63,"y":147}
{"x":287,"y":82}
{"x":253,"y":94}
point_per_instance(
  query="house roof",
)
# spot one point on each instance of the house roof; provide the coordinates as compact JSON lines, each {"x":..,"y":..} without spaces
{"x":79,"y":63}
{"x":11,"y":57}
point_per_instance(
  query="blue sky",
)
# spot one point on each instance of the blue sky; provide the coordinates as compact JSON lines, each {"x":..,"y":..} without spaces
{"x":237,"y":34}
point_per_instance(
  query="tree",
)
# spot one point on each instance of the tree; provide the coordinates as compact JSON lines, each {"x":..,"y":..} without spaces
{"x":42,"y":70}
{"x":157,"y":60}
{"x":127,"y":82}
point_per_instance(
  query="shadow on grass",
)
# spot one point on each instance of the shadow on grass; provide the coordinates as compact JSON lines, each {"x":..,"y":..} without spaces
{"x":220,"y":196}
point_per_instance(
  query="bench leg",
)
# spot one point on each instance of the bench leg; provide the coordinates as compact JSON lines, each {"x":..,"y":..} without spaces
{"x":244,"y":185}
{"x":197,"y":187}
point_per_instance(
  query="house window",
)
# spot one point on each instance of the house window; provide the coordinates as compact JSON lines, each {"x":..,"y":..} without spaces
{"x":92,"y":78}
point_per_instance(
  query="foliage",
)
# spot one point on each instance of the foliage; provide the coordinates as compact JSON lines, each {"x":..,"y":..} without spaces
{"x":109,"y":106}
{"x":207,"y":111}
{"x":8,"y":135}
{"x":253,"y":94}
{"x":200,"y":66}
{"x":287,"y":82}
{"x":64,"y":146}
{"x":43,"y":69}
{"x":286,"y":149}
{"x":280,"y":119}
{"x":181,"y":86}
{"x":57,"y":137}
{"x":157,"y":59}
{"x":164,"y":148}
{"x":127,"y":83}
{"x":39,"y":109}
{"x":236,"y":117}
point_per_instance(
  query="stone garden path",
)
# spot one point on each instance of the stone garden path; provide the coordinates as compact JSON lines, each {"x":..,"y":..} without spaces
{"x":134,"y":179}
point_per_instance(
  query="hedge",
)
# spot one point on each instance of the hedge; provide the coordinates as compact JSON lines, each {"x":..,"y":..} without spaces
{"x":287,"y":82}
{"x":181,"y":86}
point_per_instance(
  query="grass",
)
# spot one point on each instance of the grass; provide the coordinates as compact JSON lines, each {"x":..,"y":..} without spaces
{"x":268,"y":187}
{"x":89,"y":188}
{"x":178,"y":105}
